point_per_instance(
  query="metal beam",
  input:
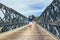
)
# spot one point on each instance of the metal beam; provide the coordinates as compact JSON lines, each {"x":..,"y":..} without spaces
{"x":50,"y":18}
{"x":12,"y":19}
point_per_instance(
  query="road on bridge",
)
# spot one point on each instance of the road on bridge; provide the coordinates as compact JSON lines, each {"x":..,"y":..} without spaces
{"x":24,"y":33}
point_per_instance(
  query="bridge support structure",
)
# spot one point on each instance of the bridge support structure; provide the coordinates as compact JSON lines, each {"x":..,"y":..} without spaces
{"x":50,"y":18}
{"x":12,"y":19}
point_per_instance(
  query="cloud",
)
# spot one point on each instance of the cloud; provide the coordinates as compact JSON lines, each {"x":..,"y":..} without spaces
{"x":27,"y":7}
{"x":37,"y":6}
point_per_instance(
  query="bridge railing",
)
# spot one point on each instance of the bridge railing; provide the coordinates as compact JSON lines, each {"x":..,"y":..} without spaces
{"x":12,"y":19}
{"x":11,"y":26}
{"x":51,"y":27}
{"x":50,"y":18}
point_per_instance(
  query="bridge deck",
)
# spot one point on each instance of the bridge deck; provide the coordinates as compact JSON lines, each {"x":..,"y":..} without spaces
{"x":24,"y":33}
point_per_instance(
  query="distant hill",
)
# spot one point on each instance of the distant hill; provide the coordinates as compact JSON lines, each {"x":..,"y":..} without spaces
{"x":34,"y":18}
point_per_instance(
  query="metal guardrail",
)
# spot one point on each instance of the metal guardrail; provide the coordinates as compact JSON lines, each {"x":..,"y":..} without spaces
{"x":9,"y":24}
{"x":51,"y":27}
{"x":50,"y":23}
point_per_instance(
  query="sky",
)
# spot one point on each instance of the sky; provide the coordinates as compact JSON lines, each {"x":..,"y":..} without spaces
{"x":27,"y":7}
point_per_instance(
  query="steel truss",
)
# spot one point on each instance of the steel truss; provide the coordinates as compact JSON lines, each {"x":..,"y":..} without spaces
{"x":12,"y":19}
{"x":50,"y":18}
